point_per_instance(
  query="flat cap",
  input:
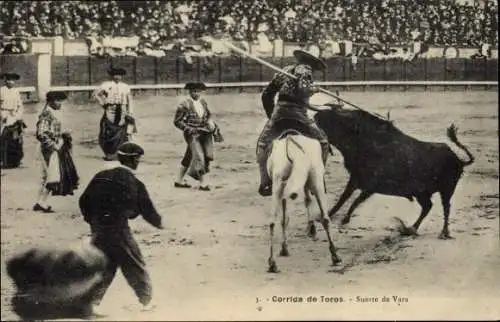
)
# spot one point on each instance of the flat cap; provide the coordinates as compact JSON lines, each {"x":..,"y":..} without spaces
{"x":117,"y":71}
{"x":10,"y":76}
{"x":130,"y":149}
{"x":55,"y":96}
{"x":195,"y":85}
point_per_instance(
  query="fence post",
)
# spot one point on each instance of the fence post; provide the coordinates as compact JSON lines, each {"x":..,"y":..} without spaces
{"x":405,"y":77}
{"x":156,"y":73}
{"x":241,"y":72}
{"x":364,"y":73}
{"x":485,"y":69}
{"x":156,"y":70}
{"x":261,"y":77}
{"x":426,"y":76}
{"x":134,"y":69}
{"x":44,"y":75}
{"x":67,"y":70}
{"x":198,"y":69}
{"x":89,"y":69}
{"x":485,"y":65}
{"x":445,"y":65}
{"x":324,"y":75}
{"x":177,"y":69}
{"x":219,"y":77}
{"x":386,"y":87}
{"x":466,"y":74}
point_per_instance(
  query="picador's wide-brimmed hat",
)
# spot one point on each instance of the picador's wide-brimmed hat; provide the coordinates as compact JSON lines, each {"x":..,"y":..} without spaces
{"x":117,"y":71}
{"x":52,"y":277}
{"x":309,"y":58}
{"x":130,"y":149}
{"x":195,"y":85}
{"x":55,"y":96}
{"x":10,"y":76}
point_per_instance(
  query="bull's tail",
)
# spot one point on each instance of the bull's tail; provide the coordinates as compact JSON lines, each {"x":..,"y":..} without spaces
{"x":451,"y":132}
{"x":298,"y":174}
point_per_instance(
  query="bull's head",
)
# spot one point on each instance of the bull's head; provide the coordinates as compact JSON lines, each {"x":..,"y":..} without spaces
{"x":351,"y":129}
{"x":337,"y":126}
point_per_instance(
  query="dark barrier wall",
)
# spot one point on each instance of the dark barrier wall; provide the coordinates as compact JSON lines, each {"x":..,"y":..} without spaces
{"x":24,"y":65}
{"x":74,"y":70}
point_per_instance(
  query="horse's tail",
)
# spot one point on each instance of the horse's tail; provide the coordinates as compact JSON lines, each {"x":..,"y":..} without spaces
{"x":298,"y":174}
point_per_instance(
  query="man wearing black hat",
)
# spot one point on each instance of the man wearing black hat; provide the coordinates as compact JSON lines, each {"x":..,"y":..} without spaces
{"x":112,"y":197}
{"x":117,"y":124}
{"x":11,"y":123}
{"x":49,"y":134}
{"x":196,"y":121}
{"x":293,"y":97}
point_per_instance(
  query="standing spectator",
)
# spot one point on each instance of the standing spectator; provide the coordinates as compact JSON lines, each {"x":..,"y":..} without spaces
{"x":117,"y":123}
{"x":195,"y":119}
{"x":112,"y":198}
{"x":11,"y":123}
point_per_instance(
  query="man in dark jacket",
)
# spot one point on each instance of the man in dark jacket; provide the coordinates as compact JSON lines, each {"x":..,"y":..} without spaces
{"x":113,"y":197}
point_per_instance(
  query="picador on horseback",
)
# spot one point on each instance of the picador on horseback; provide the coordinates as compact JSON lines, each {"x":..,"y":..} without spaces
{"x":291,"y":111}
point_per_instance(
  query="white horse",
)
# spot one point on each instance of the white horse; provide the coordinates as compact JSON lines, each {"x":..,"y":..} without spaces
{"x":295,"y":166}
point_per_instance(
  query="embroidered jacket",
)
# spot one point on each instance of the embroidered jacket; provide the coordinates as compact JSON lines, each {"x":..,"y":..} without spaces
{"x":288,"y":89}
{"x":48,"y":129}
{"x":186,"y":115}
{"x":116,"y":99}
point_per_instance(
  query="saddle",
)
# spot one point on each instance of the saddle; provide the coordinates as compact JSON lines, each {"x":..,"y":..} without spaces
{"x":288,"y":132}
{"x":290,"y":126}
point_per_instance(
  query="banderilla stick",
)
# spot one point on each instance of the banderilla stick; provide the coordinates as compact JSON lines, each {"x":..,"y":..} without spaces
{"x":279,"y":70}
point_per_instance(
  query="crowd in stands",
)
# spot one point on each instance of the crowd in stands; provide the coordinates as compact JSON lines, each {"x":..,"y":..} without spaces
{"x":156,"y":23}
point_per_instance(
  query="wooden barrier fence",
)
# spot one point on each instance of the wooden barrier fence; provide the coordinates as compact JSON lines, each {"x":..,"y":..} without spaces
{"x":79,"y":70}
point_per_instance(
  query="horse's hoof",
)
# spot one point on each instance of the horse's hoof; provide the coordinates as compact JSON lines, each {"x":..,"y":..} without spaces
{"x":314,"y":237}
{"x":284,"y":252}
{"x":273,"y":268}
{"x":345,"y":221}
{"x":312,"y":232}
{"x":444,"y":236}
{"x":407,"y":231}
{"x":336,"y":261}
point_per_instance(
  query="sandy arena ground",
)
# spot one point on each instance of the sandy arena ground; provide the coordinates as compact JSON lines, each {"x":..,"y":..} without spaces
{"x":211,"y":261}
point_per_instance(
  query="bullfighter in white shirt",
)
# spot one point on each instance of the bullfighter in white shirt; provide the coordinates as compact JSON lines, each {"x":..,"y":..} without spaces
{"x":11,"y":123}
{"x":117,"y":124}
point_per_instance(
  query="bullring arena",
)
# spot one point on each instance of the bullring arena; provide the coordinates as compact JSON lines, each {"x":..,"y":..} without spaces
{"x":210,"y":262}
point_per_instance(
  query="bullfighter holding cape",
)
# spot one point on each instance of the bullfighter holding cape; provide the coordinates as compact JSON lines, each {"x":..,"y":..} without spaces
{"x":117,"y":124}
{"x":196,"y":121}
{"x":11,"y":123}
{"x":59,"y":175}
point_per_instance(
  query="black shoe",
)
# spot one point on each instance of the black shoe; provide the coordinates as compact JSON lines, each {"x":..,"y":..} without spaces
{"x":182,"y":185}
{"x":266,"y":190}
{"x":38,"y":207}
{"x":204,"y":188}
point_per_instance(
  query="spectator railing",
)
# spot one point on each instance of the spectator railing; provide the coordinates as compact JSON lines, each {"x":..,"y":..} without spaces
{"x":41,"y":72}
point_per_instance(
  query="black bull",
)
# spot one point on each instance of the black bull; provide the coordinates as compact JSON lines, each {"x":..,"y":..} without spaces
{"x":382,"y":159}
